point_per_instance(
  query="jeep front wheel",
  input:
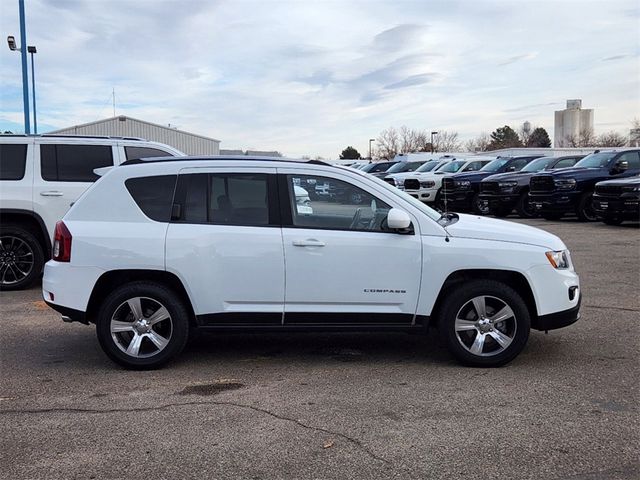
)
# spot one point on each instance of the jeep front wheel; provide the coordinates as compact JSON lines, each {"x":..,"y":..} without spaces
{"x":484,"y":324}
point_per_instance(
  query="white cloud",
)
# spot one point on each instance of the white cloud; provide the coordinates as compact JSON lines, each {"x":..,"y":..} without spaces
{"x":313,"y":77}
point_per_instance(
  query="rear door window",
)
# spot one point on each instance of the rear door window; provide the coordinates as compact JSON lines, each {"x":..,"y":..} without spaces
{"x":13,"y":161}
{"x":73,"y":163}
{"x":227,"y":199}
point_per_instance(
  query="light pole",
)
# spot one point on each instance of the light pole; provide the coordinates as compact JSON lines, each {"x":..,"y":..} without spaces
{"x":32,"y":49}
{"x":432,"y":146}
{"x":370,"y":140}
{"x":23,"y":52}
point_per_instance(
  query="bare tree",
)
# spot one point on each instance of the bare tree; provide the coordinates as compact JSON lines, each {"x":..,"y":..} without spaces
{"x":447,"y":142}
{"x":387,"y":144}
{"x":611,"y":139}
{"x":586,"y":138}
{"x":478,"y":144}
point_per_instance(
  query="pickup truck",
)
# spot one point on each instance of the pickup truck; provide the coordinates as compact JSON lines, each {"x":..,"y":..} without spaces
{"x":615,"y":201}
{"x":570,"y":190}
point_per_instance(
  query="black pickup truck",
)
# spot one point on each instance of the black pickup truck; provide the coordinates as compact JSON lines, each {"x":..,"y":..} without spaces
{"x":615,"y":201}
{"x":461,"y":192}
{"x":570,"y":190}
{"x":503,"y":192}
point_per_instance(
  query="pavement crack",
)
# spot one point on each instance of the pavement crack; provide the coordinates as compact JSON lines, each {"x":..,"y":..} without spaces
{"x":352,"y":440}
{"x":624,"y":309}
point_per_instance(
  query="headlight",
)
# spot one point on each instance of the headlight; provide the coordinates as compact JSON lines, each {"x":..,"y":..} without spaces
{"x":507,"y":184}
{"x":428,"y":184}
{"x":631,"y":188}
{"x":398,"y":181}
{"x":463,"y":183}
{"x":565,"y":183}
{"x":558,"y":259}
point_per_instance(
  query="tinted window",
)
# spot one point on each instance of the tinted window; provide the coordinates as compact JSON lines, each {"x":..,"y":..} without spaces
{"x":13,"y":160}
{"x":494,"y":165}
{"x":73,"y":163}
{"x":596,"y":160}
{"x":566,"y":162}
{"x":474,"y":166}
{"x":224,"y":199}
{"x":134,"y":153}
{"x":153,"y":195}
{"x":335,"y":205}
{"x":631,"y":158}
{"x":517,"y":164}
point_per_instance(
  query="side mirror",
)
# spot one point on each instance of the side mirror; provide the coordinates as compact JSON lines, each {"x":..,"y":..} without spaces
{"x":622,"y":166}
{"x":398,"y":219}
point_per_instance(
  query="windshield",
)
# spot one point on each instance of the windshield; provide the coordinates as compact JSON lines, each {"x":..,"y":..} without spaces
{"x":538,"y":164}
{"x":375,"y":167}
{"x":494,"y":165}
{"x":428,"y":166}
{"x":596,"y":160}
{"x":452,"y":167}
{"x":403,"y":167}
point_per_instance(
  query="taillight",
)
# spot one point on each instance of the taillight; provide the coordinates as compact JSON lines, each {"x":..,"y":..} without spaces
{"x":62,"y":243}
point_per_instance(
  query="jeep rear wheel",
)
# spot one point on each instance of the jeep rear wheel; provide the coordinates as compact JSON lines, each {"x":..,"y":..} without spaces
{"x":485,"y":323}
{"x":21,"y":258}
{"x":142,"y":325}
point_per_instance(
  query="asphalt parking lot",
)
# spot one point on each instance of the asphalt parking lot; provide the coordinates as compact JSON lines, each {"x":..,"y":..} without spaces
{"x":335,"y":405}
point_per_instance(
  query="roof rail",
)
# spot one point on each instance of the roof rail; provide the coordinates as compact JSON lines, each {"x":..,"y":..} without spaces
{"x":140,"y":161}
{"x":112,"y":137}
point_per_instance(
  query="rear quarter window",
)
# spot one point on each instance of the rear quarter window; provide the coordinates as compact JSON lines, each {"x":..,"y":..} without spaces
{"x":135,"y":153}
{"x":13,"y":161}
{"x":154,"y":195}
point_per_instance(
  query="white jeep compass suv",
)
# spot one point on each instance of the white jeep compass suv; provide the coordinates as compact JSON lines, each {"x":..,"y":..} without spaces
{"x":224,"y":243}
{"x":40,"y":177}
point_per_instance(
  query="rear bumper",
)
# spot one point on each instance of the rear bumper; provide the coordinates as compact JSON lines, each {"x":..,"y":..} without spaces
{"x":562,"y":319}
{"x":68,"y":286}
{"x":69,"y":314}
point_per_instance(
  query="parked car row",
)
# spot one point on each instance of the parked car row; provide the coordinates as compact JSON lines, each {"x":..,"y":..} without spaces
{"x":530,"y":186}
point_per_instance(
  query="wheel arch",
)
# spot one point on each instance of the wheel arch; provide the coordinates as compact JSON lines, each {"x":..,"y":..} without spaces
{"x":515,"y":280}
{"x":32,"y":222}
{"x":114,"y":278}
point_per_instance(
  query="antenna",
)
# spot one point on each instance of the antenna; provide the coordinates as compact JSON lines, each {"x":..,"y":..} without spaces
{"x":113,"y":92}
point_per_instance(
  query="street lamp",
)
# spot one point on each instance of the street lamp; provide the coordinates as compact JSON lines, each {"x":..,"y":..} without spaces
{"x":432,"y":146}
{"x":32,"y":49}
{"x":370,"y":140}
{"x":23,"y":53}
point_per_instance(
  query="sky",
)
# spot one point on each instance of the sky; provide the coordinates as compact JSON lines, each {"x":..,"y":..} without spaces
{"x":311,"y":77}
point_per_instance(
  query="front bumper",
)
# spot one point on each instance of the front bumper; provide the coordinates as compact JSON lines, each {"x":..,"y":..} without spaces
{"x":555,"y":202}
{"x":457,"y":199}
{"x":623,"y":206}
{"x":424,"y":194}
{"x":562,"y":319}
{"x":499,"y":201}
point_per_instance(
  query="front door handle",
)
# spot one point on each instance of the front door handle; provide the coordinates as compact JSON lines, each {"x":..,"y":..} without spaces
{"x":52,"y":193}
{"x":309,"y":242}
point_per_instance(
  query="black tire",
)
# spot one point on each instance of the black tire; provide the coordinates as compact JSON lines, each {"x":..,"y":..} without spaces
{"x":585,"y":210}
{"x":552,"y":216}
{"x":524,"y":209}
{"x":476,"y":206}
{"x":612,"y":220}
{"x":438,"y":202}
{"x":515,"y":327}
{"x":177,"y":331}
{"x":21,"y":258}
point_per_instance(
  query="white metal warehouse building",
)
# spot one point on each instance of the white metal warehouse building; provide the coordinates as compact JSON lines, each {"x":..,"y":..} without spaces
{"x":123,"y":126}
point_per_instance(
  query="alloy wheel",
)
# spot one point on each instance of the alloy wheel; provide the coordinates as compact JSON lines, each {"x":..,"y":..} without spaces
{"x":16,"y":260}
{"x":485,"y":326}
{"x":141,"y":327}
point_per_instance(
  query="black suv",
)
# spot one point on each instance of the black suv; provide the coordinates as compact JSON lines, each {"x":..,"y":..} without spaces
{"x":615,"y":201}
{"x":503,"y":192}
{"x":571,"y":190}
{"x":461,"y":192}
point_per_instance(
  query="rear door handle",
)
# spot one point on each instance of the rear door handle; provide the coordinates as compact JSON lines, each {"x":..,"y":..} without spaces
{"x":309,"y":242}
{"x":52,"y":193}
